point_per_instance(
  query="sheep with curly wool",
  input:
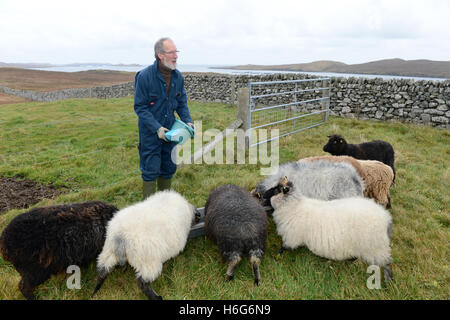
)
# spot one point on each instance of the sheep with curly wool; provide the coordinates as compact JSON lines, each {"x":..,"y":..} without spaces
{"x":337,"y":229}
{"x":46,"y":240}
{"x":379,"y":179}
{"x":147,"y":234}
{"x":318,"y":179}
{"x":377,"y":176}
{"x":373,"y":150}
{"x":236,"y":221}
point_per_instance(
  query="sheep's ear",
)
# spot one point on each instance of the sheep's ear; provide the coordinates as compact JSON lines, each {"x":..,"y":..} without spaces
{"x":328,"y":136}
{"x":284,"y":180}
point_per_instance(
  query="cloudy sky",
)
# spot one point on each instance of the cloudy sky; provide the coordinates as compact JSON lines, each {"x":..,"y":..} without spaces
{"x":224,"y":32}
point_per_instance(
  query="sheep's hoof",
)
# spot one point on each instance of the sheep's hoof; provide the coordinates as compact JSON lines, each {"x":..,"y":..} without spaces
{"x":388,"y":275}
{"x":230,"y":277}
{"x":279,"y":253}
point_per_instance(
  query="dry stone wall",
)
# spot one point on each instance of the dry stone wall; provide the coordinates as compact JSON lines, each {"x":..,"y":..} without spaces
{"x":114,"y":91}
{"x":420,"y":102}
{"x":404,"y":100}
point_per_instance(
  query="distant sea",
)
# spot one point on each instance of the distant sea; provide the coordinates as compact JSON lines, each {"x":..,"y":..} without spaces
{"x":217,"y":69}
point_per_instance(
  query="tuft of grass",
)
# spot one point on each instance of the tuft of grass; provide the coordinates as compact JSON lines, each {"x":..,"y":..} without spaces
{"x":90,"y":147}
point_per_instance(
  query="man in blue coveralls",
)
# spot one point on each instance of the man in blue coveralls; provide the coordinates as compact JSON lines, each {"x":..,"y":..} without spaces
{"x":159,"y":91}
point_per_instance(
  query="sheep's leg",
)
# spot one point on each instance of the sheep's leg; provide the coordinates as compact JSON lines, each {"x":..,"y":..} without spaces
{"x":102,"y":273}
{"x":255,"y":262}
{"x":388,"y":275}
{"x":26,"y":289}
{"x":232,"y":264}
{"x":148,"y":290}
{"x":388,"y":205}
{"x":29,"y":282}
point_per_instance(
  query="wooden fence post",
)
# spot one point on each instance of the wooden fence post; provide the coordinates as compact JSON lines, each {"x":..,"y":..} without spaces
{"x":242,"y":111}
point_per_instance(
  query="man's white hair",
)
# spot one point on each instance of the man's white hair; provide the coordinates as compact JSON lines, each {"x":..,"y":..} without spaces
{"x":159,"y":46}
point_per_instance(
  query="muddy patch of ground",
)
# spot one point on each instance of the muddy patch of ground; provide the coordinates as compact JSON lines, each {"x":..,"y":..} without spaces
{"x":18,"y":193}
{"x":9,"y":99}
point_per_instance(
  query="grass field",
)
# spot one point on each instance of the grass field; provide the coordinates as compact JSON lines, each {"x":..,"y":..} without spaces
{"x":89,"y":147}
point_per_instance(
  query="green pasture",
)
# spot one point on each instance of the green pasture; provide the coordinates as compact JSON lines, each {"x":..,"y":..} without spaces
{"x":88,"y":147}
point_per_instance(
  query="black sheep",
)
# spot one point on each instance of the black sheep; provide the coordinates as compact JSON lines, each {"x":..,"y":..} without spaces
{"x":238,"y":223}
{"x":374,"y":150}
{"x":45,"y":241}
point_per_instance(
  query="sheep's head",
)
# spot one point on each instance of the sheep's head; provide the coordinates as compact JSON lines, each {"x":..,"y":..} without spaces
{"x":280,"y":192}
{"x":335,"y":144}
{"x":285,"y":185}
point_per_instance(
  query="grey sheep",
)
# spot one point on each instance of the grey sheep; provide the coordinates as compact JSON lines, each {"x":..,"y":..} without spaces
{"x":238,"y":224}
{"x":377,"y":176}
{"x":322,"y":179}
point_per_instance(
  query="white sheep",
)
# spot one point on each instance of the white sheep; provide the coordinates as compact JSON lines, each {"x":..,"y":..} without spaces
{"x":146,"y":235}
{"x":337,"y":229}
{"x":377,"y":176}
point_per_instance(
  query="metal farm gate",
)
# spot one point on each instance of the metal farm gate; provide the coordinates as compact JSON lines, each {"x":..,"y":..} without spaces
{"x":290,"y":106}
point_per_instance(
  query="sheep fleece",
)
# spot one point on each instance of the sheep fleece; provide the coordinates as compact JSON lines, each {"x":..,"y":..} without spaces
{"x":318,"y":179}
{"x":377,"y":176}
{"x":148,"y":233}
{"x":235,"y":220}
{"x":337,"y":229}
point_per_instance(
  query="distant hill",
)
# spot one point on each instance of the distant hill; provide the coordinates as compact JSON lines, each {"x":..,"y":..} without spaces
{"x":49,"y":65}
{"x":395,"y":67}
{"x":25,"y":65}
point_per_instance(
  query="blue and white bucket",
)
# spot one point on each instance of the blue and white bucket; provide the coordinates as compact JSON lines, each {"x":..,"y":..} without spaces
{"x":180,"y":132}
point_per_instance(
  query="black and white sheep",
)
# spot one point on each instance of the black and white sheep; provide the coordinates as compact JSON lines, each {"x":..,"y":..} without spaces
{"x":319,"y":179}
{"x":374,"y":150}
{"x":337,"y":229}
{"x":238,"y":224}
{"x":46,"y":240}
{"x":146,"y":234}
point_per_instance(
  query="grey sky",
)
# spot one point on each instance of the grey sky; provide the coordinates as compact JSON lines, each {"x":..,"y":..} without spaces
{"x":224,"y":32}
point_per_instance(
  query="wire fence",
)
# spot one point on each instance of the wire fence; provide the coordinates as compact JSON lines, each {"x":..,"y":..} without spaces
{"x":290,"y":106}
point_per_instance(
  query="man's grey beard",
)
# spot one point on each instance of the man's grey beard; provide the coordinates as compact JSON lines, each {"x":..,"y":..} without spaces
{"x":169,"y":65}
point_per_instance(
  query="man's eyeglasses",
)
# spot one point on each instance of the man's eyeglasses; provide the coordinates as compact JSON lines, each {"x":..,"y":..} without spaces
{"x":171,"y":52}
